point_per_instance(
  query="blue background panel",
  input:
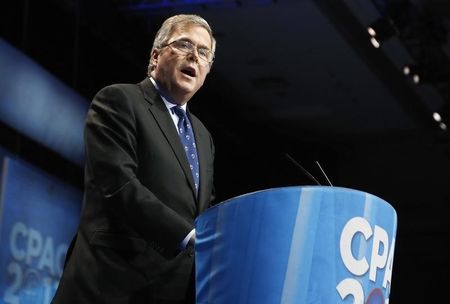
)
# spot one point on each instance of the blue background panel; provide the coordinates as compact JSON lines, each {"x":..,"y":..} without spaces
{"x":38,"y":218}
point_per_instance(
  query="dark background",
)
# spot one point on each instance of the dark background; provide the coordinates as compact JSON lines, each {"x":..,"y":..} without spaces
{"x":297,"y":78}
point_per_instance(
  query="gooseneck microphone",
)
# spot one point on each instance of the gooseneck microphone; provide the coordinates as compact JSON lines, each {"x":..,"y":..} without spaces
{"x":324,"y":174}
{"x":306,"y":172}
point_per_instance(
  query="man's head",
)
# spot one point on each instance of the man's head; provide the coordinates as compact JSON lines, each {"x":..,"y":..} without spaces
{"x":182,"y":55}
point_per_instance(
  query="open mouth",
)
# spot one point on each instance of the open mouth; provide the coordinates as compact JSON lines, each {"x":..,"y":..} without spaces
{"x":188,"y":71}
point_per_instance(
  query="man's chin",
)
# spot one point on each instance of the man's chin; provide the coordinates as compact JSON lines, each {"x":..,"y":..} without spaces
{"x":188,"y":87}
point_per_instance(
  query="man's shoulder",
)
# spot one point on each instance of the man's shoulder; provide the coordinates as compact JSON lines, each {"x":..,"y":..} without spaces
{"x":118,"y":95}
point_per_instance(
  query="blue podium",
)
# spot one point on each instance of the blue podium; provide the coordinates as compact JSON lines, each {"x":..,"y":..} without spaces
{"x":302,"y":245}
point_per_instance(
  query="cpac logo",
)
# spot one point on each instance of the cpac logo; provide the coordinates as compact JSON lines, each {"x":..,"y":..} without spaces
{"x":381,"y":260}
{"x":35,"y":266}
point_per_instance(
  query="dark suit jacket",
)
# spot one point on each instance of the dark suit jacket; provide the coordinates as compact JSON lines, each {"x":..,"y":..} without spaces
{"x":139,"y":201}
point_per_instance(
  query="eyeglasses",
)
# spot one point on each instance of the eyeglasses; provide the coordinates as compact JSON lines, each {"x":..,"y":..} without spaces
{"x":187,"y":47}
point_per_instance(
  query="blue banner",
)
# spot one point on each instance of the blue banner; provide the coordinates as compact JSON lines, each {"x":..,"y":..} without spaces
{"x":302,"y":245}
{"x":38,"y":217}
{"x":38,"y":105}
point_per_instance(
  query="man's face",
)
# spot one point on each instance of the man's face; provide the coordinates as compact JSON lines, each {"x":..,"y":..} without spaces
{"x":181,"y":74}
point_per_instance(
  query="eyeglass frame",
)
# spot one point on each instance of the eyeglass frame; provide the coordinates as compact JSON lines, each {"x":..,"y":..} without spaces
{"x":190,"y":49}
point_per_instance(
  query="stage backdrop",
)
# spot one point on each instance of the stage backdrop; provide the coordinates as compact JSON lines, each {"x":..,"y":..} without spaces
{"x":38,"y":217}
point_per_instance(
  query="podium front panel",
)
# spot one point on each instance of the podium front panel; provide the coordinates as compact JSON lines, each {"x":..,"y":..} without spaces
{"x":303,"y":245}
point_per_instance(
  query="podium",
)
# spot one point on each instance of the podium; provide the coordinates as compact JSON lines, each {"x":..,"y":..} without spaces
{"x":304,"y":245}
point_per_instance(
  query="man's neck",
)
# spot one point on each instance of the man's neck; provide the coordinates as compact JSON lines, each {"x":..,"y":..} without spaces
{"x":166,"y":96}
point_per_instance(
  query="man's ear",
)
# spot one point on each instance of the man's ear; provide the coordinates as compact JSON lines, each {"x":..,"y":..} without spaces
{"x":154,"y":56}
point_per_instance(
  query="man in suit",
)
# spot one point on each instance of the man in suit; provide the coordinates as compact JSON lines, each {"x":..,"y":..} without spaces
{"x":142,"y":192}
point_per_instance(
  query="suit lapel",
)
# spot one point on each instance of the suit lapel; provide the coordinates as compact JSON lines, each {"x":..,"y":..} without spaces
{"x":159,"y":111}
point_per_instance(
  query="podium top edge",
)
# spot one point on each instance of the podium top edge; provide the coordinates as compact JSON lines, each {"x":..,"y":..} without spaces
{"x":301,"y":188}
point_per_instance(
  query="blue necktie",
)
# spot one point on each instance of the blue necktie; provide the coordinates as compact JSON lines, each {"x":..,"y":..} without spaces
{"x":188,"y":142}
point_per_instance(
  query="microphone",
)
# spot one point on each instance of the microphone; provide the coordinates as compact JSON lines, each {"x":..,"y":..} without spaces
{"x":324,"y":174}
{"x":311,"y":177}
{"x":306,"y":172}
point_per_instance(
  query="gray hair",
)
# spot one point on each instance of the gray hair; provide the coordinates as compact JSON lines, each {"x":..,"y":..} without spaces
{"x":175,"y":22}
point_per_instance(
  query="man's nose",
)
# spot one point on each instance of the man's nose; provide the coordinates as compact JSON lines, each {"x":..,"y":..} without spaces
{"x":193,"y":55}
